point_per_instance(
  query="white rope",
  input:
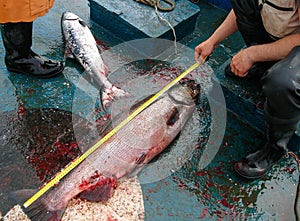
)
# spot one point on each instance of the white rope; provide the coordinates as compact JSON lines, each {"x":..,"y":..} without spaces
{"x":168,"y":23}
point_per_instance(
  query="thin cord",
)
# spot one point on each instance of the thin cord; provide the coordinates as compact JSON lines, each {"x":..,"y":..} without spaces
{"x":168,"y":23}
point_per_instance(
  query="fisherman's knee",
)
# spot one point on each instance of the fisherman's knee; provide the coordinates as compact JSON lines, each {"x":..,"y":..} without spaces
{"x":282,"y":80}
{"x":275,"y":83}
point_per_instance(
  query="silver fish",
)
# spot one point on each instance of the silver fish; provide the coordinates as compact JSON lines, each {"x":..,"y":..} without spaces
{"x":124,"y":154}
{"x":81,"y":43}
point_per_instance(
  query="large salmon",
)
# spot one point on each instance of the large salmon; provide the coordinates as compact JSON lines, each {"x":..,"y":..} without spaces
{"x":81,"y":44}
{"x":133,"y":146}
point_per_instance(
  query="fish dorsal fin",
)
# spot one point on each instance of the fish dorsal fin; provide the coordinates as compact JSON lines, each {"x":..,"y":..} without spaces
{"x":138,"y":104}
{"x":68,"y":53}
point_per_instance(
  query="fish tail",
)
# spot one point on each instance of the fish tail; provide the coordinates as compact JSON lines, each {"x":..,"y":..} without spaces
{"x":38,"y":210}
{"x":110,"y":94}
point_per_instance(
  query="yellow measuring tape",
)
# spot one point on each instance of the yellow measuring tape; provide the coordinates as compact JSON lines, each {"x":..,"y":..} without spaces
{"x":76,"y":162}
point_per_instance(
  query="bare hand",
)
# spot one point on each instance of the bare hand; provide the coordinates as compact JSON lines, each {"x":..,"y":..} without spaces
{"x":241,"y":63}
{"x":203,"y":50}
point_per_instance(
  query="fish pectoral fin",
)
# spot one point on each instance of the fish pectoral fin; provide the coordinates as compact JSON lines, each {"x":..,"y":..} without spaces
{"x":173,"y":117}
{"x":68,"y":53}
{"x":38,"y":210}
{"x":99,"y":48}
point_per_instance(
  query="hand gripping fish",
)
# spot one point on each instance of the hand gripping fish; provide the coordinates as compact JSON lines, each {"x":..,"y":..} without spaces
{"x":81,"y":43}
{"x":124,"y":154}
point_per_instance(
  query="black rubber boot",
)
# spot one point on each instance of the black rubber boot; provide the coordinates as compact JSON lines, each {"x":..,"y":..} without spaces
{"x":19,"y":58}
{"x":255,"y":165}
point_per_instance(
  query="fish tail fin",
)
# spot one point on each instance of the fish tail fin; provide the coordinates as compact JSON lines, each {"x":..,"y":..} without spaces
{"x":112,"y":93}
{"x":38,"y":210}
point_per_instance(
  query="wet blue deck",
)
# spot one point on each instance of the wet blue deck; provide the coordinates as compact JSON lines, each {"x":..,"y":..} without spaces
{"x":211,"y":193}
{"x":132,"y":21}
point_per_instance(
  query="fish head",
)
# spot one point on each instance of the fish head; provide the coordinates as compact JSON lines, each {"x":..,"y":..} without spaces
{"x":66,"y":21}
{"x":184,"y":97}
{"x":70,"y":20}
{"x":71,"y":23}
{"x":193,"y":89}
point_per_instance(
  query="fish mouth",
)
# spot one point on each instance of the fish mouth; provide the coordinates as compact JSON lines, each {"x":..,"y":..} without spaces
{"x":69,"y":16}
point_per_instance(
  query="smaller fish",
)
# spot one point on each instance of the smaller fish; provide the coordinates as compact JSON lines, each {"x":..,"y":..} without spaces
{"x":81,"y":43}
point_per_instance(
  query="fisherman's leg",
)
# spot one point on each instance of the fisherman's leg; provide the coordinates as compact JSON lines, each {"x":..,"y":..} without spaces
{"x":251,"y":27}
{"x":17,"y":40}
{"x":281,"y":86}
